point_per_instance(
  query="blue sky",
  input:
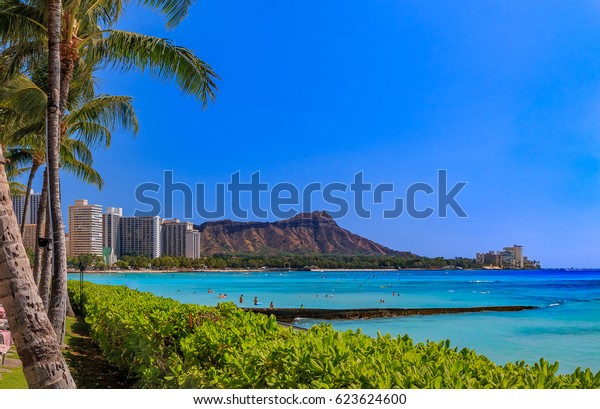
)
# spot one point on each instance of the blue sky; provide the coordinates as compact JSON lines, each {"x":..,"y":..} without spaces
{"x":505,"y":95}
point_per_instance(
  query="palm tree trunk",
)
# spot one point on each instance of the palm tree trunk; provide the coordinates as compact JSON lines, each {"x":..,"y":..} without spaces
{"x":43,"y":363}
{"x":34,"y":167}
{"x":58,"y":299}
{"x":67,"y":68}
{"x":40,"y":229}
{"x":70,"y":312}
{"x":46,"y":275}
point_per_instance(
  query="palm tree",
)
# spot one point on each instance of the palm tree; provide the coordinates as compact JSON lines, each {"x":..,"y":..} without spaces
{"x":88,"y":123}
{"x":88,"y":38}
{"x":29,"y":30}
{"x":43,"y":363}
{"x":57,"y":309}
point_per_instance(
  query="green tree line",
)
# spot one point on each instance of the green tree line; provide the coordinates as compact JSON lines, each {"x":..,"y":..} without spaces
{"x":292,"y":261}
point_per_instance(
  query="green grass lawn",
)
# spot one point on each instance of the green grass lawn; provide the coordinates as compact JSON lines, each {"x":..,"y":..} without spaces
{"x":13,"y":378}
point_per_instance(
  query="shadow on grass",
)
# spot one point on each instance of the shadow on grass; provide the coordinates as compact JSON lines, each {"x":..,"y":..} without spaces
{"x":89,"y":368}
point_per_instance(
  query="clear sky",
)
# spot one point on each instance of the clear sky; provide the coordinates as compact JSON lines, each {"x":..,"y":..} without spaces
{"x":505,"y":95}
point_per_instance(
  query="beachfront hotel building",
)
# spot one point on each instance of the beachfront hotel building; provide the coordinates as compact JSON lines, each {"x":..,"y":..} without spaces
{"x":508,"y":257}
{"x":111,"y":234}
{"x":179,"y":239}
{"x":140,"y":236}
{"x":128,"y":235}
{"x":85,"y":229}
{"x":18,"y":202}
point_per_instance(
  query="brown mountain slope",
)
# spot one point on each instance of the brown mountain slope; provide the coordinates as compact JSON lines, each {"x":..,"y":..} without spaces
{"x":304,"y":233}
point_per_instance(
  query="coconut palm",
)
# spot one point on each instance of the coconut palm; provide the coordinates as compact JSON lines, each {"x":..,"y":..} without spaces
{"x":30,"y":30}
{"x":88,"y":123}
{"x":88,"y":38}
{"x":43,"y":363}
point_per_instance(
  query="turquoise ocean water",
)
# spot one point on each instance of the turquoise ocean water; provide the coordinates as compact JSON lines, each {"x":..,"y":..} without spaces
{"x":566,"y":327}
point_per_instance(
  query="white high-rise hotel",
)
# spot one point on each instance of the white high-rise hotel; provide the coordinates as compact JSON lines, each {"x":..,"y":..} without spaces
{"x":19,"y":203}
{"x":85,"y":229}
{"x":131,"y":236}
{"x":114,"y":236}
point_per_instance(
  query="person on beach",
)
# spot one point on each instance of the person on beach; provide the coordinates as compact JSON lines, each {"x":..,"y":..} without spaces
{"x":271,"y":306}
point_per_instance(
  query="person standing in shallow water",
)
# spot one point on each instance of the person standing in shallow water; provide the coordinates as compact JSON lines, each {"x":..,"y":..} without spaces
{"x":242,"y":299}
{"x":272,"y":306}
{"x":255,"y":300}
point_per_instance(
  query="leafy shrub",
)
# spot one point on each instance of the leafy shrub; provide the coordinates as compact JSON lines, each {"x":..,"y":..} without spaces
{"x":166,"y":344}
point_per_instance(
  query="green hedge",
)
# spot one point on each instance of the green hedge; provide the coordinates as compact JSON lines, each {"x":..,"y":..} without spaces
{"x":165,"y":344}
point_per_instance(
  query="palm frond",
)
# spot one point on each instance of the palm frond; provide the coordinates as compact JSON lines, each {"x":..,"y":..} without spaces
{"x":109,"y":111}
{"x":81,"y":170}
{"x":160,"y":57}
{"x":90,"y":133}
{"x":32,"y":135}
{"x":20,"y":94}
{"x":173,"y":10}
{"x":16,"y":188}
{"x":104,"y":12}
{"x":18,"y":157}
{"x":15,"y":169}
{"x":83,"y":85}
{"x":20,"y":57}
{"x":13,"y":172}
{"x":20,"y":21}
{"x":74,"y":150}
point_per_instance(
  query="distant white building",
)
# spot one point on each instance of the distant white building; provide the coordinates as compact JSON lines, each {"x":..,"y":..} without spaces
{"x":148,"y":236}
{"x":509,"y":257}
{"x":18,"y":202}
{"x":85,"y":229}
